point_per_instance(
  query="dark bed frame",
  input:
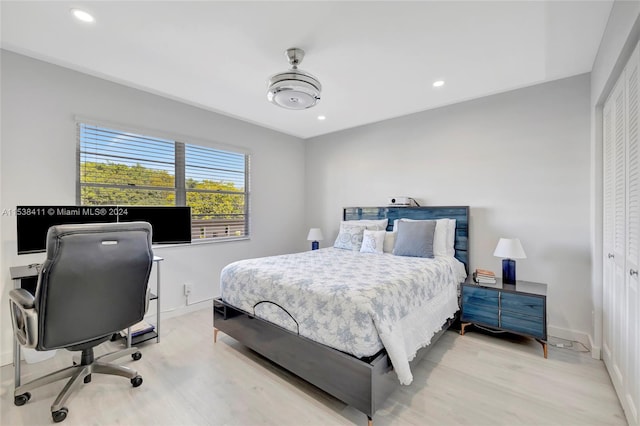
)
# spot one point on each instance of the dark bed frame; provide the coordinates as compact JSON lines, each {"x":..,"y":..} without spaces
{"x":362,"y":383}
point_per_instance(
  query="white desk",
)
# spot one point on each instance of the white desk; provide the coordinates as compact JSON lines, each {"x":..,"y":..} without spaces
{"x":18,"y":273}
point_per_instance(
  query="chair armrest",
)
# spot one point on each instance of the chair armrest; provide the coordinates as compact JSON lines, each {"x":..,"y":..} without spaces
{"x":22,"y":297}
{"x":24,"y":317}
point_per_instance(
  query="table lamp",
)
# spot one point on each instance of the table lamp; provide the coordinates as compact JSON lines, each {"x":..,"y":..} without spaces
{"x":315,"y":235}
{"x":509,"y":249}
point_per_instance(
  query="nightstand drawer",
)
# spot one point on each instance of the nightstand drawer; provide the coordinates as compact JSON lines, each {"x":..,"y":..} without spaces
{"x":479,"y":296}
{"x":518,"y":323}
{"x":480,"y":314}
{"x":522,"y":304}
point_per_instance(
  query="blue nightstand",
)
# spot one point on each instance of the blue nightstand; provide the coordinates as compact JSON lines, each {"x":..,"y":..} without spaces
{"x":519,"y":308}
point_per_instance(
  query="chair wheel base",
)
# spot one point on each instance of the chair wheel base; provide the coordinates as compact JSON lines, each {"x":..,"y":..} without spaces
{"x":136,"y":381}
{"x":136,"y":356}
{"x":60,"y":414}
{"x":21,"y":399}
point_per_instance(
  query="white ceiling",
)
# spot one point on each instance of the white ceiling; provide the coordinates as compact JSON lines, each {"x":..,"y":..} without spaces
{"x":376,"y":60}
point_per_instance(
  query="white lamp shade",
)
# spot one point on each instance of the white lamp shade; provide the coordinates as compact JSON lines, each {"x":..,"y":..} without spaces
{"x":315,"y":234}
{"x":509,"y":248}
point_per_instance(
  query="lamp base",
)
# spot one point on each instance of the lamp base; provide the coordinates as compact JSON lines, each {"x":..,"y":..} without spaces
{"x":508,"y":271}
{"x":315,"y":245}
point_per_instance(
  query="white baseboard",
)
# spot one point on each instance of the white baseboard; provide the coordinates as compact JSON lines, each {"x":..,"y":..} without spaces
{"x":6,"y":356}
{"x":578,"y":336}
{"x":596,"y":351}
{"x":185,"y":309}
{"x":566,"y":334}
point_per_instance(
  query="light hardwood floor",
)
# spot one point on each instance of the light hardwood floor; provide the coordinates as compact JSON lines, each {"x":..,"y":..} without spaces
{"x":475,"y":379}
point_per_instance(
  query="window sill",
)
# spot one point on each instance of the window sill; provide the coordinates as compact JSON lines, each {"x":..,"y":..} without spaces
{"x":201,"y":242}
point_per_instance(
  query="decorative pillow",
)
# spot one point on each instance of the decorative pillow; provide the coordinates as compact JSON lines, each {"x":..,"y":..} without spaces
{"x":415,"y":239}
{"x":440,"y":237}
{"x":371,"y":224}
{"x":372,"y":241}
{"x":389,"y":241}
{"x":350,"y":236}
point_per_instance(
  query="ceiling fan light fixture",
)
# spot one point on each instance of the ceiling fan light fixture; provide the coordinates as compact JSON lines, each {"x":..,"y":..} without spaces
{"x":294,"y":89}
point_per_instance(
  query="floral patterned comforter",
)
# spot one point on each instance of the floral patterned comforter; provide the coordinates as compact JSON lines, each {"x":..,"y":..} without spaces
{"x":351,"y":301}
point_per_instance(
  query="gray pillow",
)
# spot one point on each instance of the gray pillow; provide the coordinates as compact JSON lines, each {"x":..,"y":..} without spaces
{"x":415,"y":239}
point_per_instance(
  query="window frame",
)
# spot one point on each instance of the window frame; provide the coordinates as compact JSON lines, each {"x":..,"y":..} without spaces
{"x":179,"y":160}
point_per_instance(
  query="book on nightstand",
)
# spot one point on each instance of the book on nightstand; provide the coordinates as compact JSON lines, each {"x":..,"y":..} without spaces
{"x":484,"y":276}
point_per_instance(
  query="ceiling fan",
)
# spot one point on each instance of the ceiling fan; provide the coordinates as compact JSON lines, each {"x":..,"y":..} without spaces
{"x":294,"y":89}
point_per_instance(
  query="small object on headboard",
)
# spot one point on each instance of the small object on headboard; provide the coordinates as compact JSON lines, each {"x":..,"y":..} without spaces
{"x":403,"y":202}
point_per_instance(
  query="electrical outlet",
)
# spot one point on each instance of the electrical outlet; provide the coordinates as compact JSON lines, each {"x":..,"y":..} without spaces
{"x":187,"y":289}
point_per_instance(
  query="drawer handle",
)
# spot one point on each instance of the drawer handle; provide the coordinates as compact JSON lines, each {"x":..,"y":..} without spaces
{"x":610,"y":256}
{"x":633,"y":272}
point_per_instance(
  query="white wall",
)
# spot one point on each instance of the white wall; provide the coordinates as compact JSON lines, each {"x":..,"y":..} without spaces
{"x":520,"y":160}
{"x":38,"y":166}
{"x":620,"y":37}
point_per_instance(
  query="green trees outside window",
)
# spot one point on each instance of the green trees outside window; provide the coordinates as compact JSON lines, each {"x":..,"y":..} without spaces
{"x":122,"y":168}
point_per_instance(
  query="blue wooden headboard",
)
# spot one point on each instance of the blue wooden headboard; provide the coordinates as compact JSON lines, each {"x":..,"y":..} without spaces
{"x":459,"y":213}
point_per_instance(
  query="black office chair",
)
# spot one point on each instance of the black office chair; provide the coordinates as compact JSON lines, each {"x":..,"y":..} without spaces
{"x":93,"y":284}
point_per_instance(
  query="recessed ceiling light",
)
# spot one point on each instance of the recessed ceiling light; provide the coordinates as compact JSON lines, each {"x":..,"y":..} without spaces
{"x":321,"y":117}
{"x":82,"y":15}
{"x":438,"y":83}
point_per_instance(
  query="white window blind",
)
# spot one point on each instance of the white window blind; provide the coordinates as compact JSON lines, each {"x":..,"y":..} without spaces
{"x":216,"y":178}
{"x":124,"y":168}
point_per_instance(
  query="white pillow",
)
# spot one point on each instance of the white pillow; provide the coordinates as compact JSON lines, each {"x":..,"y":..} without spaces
{"x":372,"y":241}
{"x":389,"y":241}
{"x":371,"y":224}
{"x":350,"y":236}
{"x":451,"y":238}
{"x":440,"y":237}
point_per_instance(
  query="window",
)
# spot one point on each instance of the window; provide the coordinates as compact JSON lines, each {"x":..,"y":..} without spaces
{"x":123,"y":168}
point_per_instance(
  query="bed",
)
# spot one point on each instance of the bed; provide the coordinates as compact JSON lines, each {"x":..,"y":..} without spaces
{"x":342,"y":320}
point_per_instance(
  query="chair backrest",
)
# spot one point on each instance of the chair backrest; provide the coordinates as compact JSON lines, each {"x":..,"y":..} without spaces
{"x":93,"y":282}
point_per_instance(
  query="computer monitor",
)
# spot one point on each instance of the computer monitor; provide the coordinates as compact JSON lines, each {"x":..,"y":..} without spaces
{"x":33,"y":222}
{"x":171,"y":225}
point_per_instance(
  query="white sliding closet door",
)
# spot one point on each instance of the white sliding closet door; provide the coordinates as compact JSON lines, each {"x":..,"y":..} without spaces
{"x":608,"y":233}
{"x":618,"y":299}
{"x":632,"y":338}
{"x":619,"y":247}
{"x":621,"y":237}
